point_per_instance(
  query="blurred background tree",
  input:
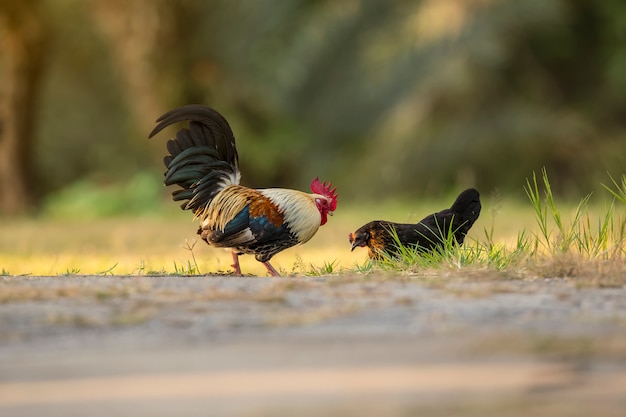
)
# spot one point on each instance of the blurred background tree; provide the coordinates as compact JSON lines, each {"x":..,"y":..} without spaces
{"x":23,"y":40}
{"x":388,"y":98}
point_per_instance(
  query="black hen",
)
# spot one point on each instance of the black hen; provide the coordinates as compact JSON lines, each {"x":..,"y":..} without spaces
{"x":426,"y":235}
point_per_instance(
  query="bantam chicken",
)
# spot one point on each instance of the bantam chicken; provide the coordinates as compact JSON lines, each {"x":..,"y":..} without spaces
{"x":428,"y":234}
{"x":203,"y":162}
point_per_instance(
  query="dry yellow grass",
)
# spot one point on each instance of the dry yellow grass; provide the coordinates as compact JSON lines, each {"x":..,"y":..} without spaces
{"x":159,"y":244}
{"x":142,"y":246}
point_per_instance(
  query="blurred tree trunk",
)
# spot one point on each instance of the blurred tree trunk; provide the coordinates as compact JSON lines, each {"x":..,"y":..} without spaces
{"x":131,"y":28}
{"x":22,"y":52}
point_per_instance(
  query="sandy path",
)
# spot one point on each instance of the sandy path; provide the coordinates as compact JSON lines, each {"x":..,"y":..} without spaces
{"x":91,"y":346}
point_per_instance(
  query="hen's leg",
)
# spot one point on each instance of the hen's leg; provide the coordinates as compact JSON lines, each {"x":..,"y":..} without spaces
{"x":235,"y":264}
{"x":271,"y":269}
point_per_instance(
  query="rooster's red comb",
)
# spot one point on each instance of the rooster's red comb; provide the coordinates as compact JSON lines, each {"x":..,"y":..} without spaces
{"x":324,"y":189}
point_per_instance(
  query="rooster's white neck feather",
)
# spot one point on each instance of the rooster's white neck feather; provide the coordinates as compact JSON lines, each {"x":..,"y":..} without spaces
{"x":300,"y":211}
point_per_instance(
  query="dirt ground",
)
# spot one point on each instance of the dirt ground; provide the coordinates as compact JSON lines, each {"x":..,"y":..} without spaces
{"x":363,"y":345}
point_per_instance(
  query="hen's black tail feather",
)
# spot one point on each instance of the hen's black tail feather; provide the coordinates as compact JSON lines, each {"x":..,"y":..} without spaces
{"x":465,"y":209}
{"x":465,"y":200}
{"x":467,"y":206}
{"x":203,"y":157}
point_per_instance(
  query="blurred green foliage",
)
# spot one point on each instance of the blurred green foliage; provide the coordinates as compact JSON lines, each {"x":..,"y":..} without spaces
{"x":389,"y":99}
{"x":92,"y":199}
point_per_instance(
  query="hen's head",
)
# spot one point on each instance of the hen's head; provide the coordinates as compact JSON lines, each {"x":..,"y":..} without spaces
{"x":325,"y":198}
{"x":375,"y":235}
{"x":359,"y":238}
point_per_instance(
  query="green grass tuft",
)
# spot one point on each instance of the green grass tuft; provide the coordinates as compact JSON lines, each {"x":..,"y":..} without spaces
{"x":108,"y":271}
{"x":70,"y":272}
{"x":186,"y":269}
{"x":327,"y":268}
{"x":620,"y":189}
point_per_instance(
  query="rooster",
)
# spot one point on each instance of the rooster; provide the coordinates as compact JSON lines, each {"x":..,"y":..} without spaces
{"x":203,"y":162}
{"x":428,"y":234}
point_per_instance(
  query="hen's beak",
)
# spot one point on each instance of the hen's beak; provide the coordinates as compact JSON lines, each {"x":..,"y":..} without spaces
{"x":356,"y":242}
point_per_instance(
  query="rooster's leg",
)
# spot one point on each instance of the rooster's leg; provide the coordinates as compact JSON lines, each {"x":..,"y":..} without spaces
{"x":235,"y":264}
{"x":271,"y":269}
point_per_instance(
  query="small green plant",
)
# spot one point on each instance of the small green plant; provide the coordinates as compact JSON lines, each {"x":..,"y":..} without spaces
{"x":141,"y":267}
{"x":597,"y":242}
{"x":189,"y":247}
{"x":188,"y":269}
{"x":494,"y":254}
{"x":364,"y":268}
{"x":298,"y":265}
{"x":498,"y":255}
{"x":620,"y":189}
{"x":327,"y":268}
{"x":69,"y":272}
{"x":108,"y":271}
{"x":4,"y":273}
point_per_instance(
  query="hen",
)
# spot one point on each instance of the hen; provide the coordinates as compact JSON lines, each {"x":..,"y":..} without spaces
{"x":203,"y":162}
{"x":426,"y":235}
